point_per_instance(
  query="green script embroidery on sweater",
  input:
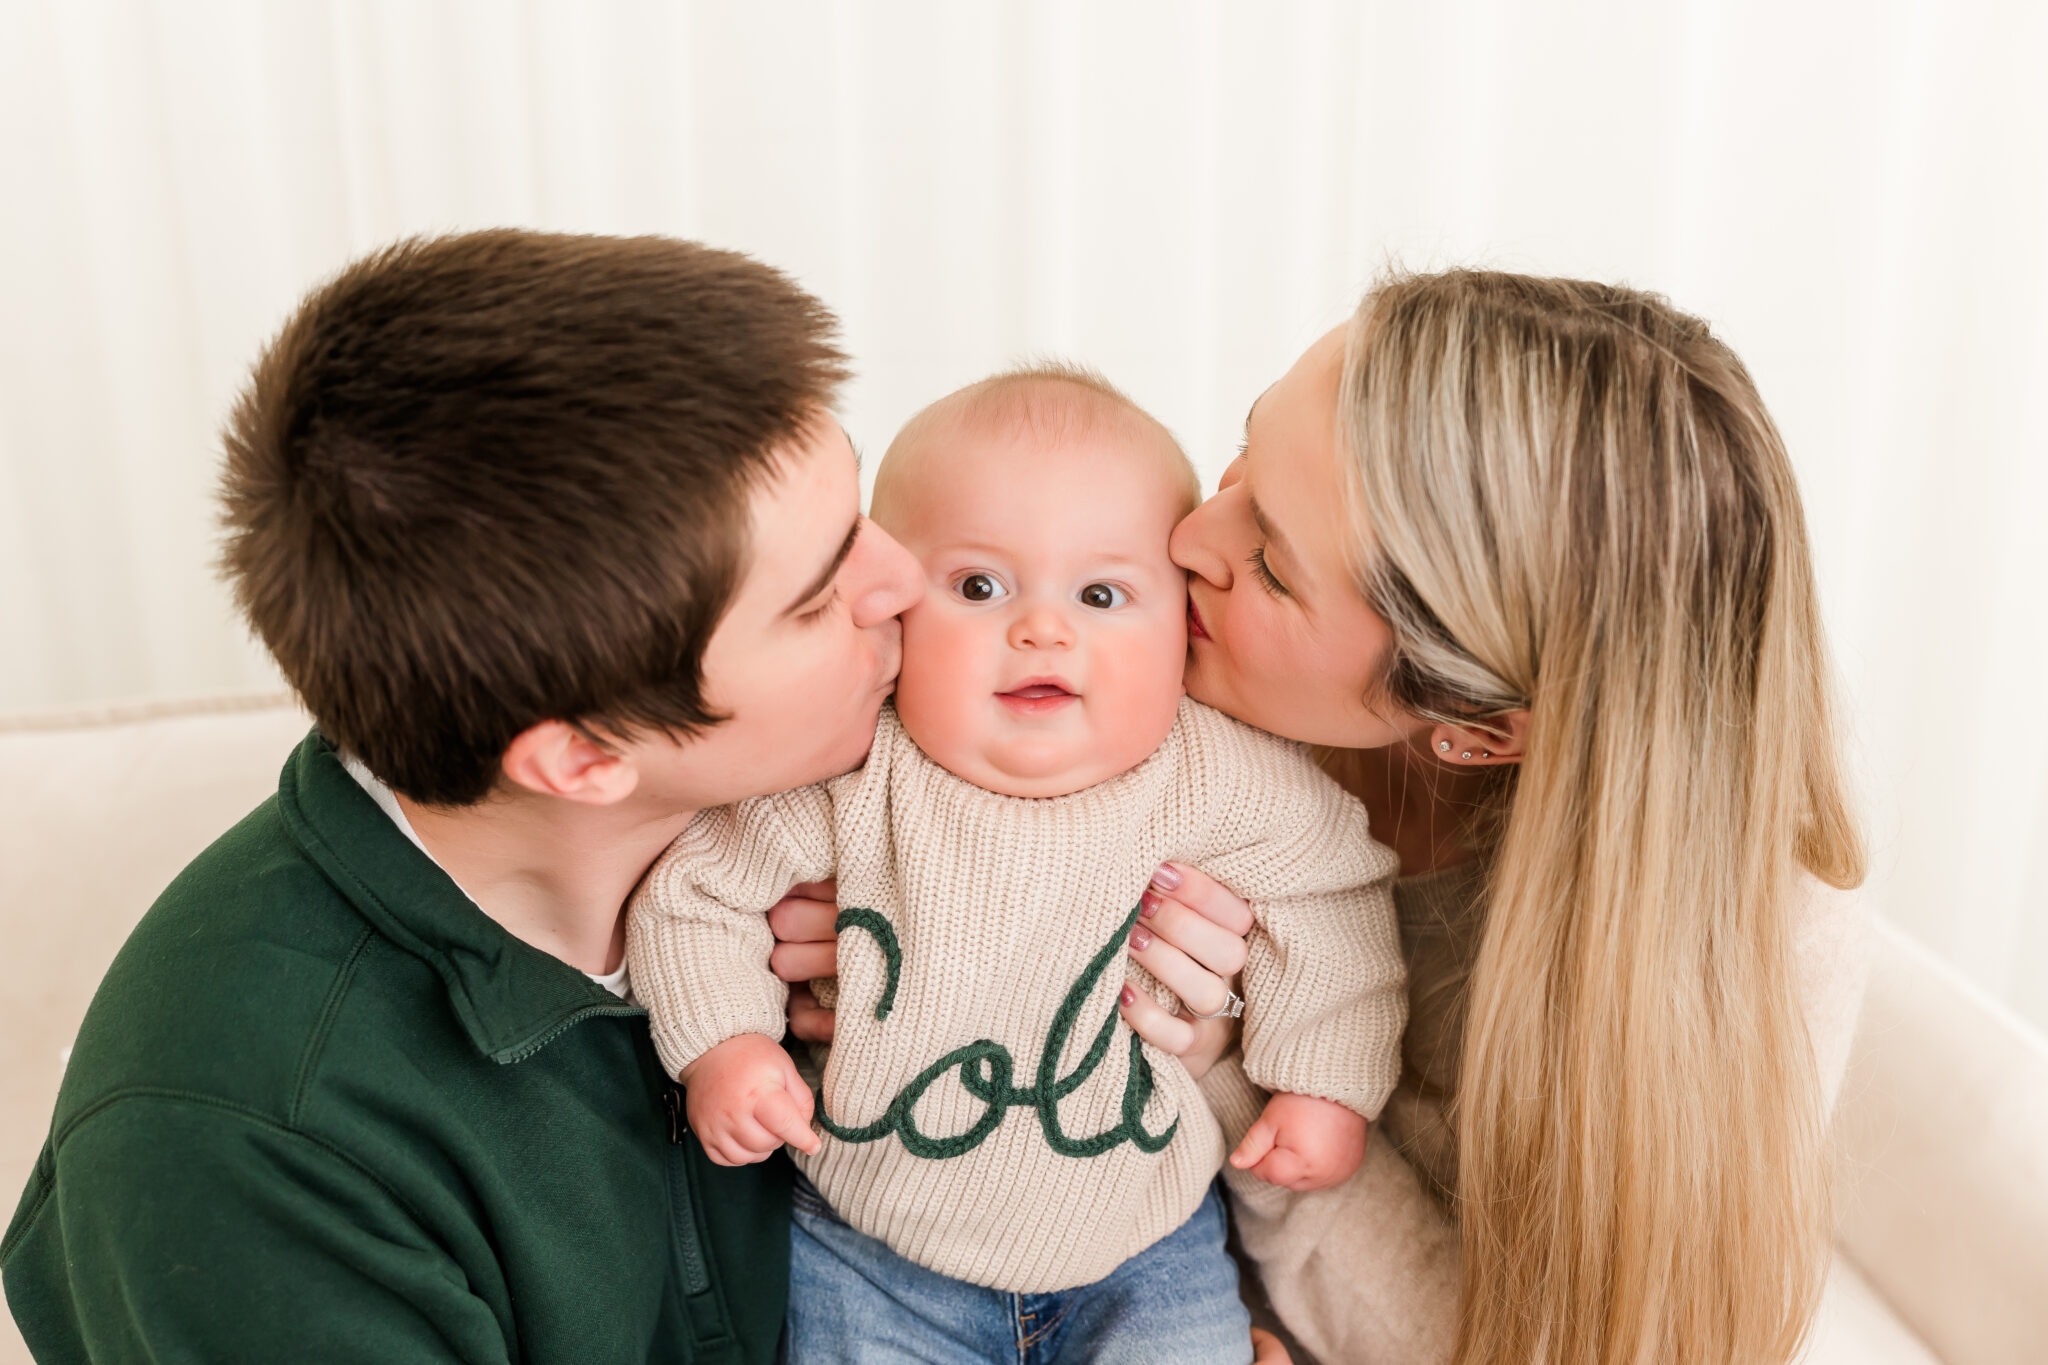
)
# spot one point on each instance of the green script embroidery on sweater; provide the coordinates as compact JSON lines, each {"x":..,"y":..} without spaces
{"x":986,"y":1069}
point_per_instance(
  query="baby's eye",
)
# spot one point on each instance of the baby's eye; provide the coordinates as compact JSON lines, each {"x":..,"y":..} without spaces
{"x":979,"y":587}
{"x":1103,"y":596}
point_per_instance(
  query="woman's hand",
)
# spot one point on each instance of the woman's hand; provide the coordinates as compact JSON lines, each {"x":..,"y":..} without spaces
{"x":1190,"y":935}
{"x":806,"y":949}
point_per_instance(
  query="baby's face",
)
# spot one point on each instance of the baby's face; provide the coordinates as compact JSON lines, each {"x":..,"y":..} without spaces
{"x":1046,"y":655}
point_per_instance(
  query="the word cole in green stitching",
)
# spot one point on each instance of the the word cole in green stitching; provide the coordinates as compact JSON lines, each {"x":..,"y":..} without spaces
{"x":986,"y":1069}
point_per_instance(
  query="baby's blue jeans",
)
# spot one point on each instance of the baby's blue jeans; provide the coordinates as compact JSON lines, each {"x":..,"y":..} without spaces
{"x":852,"y":1301}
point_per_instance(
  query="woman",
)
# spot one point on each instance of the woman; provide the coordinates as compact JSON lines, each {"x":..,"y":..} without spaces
{"x":1526,"y":557}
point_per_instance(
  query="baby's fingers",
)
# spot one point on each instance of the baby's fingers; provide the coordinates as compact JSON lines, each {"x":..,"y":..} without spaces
{"x":1285,"y":1169}
{"x":728,"y":1143}
{"x":1258,"y":1141}
{"x":780,"y":1114}
{"x":748,"y":1141}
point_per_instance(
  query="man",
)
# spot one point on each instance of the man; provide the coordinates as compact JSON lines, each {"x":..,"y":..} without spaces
{"x":559,"y":543}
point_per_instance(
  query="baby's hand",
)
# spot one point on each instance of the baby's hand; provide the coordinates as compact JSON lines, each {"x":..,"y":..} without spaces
{"x":1302,"y":1143}
{"x":745,"y":1099}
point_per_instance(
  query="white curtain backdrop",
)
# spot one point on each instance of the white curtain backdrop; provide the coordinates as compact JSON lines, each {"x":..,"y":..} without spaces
{"x":1182,"y":193}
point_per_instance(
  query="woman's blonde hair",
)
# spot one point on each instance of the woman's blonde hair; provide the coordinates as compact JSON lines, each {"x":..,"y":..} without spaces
{"x":1571,"y":500}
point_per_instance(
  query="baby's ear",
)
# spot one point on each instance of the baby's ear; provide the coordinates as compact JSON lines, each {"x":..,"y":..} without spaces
{"x":557,"y":758}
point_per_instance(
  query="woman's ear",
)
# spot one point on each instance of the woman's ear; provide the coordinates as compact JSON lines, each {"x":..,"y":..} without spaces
{"x":556,"y":758}
{"x":1502,"y":739}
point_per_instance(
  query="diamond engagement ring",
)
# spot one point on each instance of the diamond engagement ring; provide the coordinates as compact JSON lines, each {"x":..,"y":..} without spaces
{"x":1232,"y":1007}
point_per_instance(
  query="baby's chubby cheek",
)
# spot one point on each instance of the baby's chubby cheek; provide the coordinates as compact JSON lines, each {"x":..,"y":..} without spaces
{"x":953,"y":665}
{"x":1134,"y":692}
{"x":946,"y":680}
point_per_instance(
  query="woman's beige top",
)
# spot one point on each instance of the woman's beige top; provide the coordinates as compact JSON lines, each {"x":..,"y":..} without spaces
{"x":987,"y":1112}
{"x":1369,"y":1270}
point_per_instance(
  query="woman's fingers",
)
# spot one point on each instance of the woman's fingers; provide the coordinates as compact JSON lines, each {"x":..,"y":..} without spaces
{"x":809,"y":1021}
{"x":1201,"y":990}
{"x":1169,"y":1033}
{"x":1199,"y":1043}
{"x":804,"y":961}
{"x":1204,"y":895}
{"x":1189,"y":936}
{"x":1206,"y":942}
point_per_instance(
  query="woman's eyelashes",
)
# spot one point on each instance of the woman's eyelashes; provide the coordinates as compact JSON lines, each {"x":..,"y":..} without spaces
{"x":1263,"y":571}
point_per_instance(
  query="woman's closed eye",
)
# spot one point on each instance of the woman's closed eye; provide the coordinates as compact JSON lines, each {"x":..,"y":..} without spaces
{"x":1263,"y":571}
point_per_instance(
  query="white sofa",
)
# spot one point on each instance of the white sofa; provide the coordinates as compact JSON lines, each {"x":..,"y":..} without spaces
{"x":1943,"y":1253}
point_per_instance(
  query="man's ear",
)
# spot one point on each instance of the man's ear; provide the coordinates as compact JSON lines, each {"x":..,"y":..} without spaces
{"x":1502,"y":739}
{"x":556,"y":758}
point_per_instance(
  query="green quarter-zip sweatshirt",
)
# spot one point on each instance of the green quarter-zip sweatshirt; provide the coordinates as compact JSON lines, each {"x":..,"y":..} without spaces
{"x":324,"y":1109}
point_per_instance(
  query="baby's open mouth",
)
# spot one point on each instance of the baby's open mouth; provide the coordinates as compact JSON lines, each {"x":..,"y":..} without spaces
{"x":1038,"y":696}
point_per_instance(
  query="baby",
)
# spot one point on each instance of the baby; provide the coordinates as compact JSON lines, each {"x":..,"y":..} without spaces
{"x":997,"y":1155}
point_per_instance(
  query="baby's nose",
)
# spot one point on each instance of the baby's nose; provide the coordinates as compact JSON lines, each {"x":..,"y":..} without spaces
{"x":1041,"y":627}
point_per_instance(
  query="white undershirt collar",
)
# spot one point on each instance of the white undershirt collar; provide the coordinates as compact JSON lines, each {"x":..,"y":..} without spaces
{"x":387,"y":801}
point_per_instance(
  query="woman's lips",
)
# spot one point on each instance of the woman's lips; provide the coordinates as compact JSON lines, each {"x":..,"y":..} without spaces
{"x":1037,"y":698}
{"x":1195,"y":630}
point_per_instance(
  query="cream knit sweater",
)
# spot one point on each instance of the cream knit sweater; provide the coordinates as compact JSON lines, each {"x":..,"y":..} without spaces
{"x":985,"y":1111}
{"x":1368,"y":1271}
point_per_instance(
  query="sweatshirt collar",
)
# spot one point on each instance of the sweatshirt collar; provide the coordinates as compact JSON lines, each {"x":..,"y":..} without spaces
{"x":511,"y":997}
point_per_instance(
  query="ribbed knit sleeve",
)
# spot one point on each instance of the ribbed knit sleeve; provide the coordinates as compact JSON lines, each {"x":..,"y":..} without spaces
{"x":697,"y":936}
{"x":1324,"y":985}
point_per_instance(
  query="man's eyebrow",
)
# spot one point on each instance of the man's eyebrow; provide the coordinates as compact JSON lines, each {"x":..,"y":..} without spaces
{"x":824,"y":578}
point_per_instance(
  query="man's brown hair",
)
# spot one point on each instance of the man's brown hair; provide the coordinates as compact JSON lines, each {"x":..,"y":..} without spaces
{"x":486,"y":480}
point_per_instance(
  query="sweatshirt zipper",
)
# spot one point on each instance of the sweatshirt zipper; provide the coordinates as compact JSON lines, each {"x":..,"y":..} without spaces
{"x":696,"y":1279}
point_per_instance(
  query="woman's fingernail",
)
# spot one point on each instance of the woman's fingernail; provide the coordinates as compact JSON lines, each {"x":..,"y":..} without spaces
{"x":1140,"y":939}
{"x":1148,"y":905}
{"x":1167,"y":877}
{"x":1128,"y":996}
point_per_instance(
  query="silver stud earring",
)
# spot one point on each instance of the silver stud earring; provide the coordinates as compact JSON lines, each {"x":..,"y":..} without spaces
{"x":1443,"y":746}
{"x":1466,"y":754}
{"x":1486,"y":753}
